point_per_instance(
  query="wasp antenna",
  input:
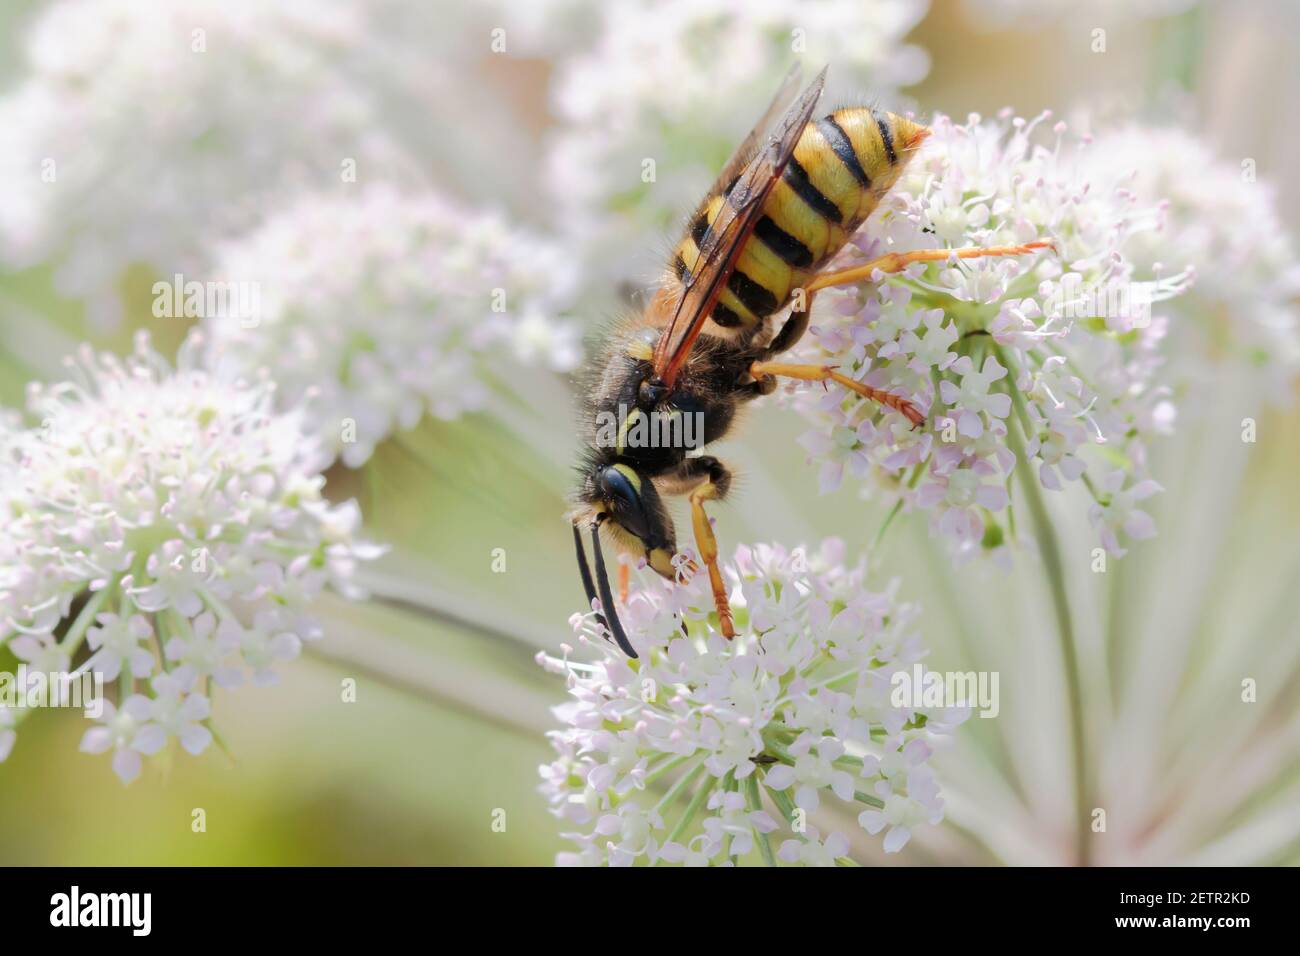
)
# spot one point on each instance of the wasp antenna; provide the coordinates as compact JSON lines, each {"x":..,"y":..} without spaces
{"x":606,"y":595}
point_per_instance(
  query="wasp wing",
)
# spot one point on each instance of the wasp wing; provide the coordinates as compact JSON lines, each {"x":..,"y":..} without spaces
{"x":725,"y":238}
{"x":743,"y":153}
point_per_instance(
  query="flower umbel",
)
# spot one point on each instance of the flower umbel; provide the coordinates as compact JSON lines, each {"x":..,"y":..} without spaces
{"x":699,"y":750}
{"x":1224,"y":223}
{"x":1049,"y":362}
{"x":391,"y":306}
{"x":173,"y":524}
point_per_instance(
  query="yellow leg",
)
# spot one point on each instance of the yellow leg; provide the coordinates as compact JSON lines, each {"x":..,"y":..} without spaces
{"x":898,"y":261}
{"x":707,"y":545}
{"x":827,"y":373}
{"x":624,"y":578}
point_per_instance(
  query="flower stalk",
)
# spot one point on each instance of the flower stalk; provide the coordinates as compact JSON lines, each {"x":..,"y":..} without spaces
{"x":1053,"y":569}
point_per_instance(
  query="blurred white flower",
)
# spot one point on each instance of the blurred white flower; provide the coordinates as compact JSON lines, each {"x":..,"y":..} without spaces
{"x":797,"y":707}
{"x":543,"y":28}
{"x":380,"y":307}
{"x":1220,"y":218}
{"x":164,"y":501}
{"x":142,"y":128}
{"x":678,"y":84}
{"x":1050,"y":360}
{"x":1028,"y":13}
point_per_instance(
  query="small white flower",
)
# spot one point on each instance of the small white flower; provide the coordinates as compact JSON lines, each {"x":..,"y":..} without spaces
{"x":812,"y":851}
{"x":1116,"y":510}
{"x":118,"y":730}
{"x":116,"y":643}
{"x":813,"y":769}
{"x":174,"y":582}
{"x":700,"y":852}
{"x":734,"y":820}
{"x":173,"y":712}
{"x":205,"y":650}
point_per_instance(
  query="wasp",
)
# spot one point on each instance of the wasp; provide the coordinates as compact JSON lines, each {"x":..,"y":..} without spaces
{"x":789,"y":198}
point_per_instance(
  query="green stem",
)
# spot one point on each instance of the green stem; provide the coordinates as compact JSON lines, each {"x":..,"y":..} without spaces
{"x":783,"y":803}
{"x":884,"y":525}
{"x":77,"y":631}
{"x":692,"y":808}
{"x":868,"y":799}
{"x":729,"y":784}
{"x":220,"y":741}
{"x":663,"y":768}
{"x":1050,"y":550}
{"x":755,"y":803}
{"x":675,"y":790}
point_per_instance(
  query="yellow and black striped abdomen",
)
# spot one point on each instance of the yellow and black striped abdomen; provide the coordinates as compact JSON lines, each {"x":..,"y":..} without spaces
{"x":842,"y":166}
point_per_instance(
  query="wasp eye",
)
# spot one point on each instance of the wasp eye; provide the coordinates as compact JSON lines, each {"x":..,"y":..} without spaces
{"x":617,"y":486}
{"x":620,"y":486}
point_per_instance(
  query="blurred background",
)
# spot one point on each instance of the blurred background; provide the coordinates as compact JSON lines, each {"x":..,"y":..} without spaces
{"x":523,"y":110}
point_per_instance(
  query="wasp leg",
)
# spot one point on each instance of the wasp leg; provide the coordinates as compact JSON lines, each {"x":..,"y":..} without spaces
{"x":898,"y":261}
{"x":711,"y":482}
{"x":827,"y":373}
{"x":793,"y":329}
{"x":756,"y":389}
{"x":624,"y":579}
{"x":796,"y":324}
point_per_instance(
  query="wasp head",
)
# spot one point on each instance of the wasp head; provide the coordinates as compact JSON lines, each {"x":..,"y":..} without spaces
{"x":628,"y":506}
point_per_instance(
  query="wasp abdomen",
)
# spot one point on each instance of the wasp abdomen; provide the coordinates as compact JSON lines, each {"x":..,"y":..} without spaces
{"x":843,"y":164}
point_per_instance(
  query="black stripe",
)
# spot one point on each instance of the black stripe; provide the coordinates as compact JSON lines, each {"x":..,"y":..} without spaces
{"x":797,"y":179}
{"x":886,"y":137}
{"x":699,"y":227}
{"x":839,"y":142}
{"x":752,"y":295}
{"x":725,"y":317}
{"x":791,"y":251}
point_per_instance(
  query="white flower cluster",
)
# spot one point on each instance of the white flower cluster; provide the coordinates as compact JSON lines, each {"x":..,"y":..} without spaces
{"x":677,"y":84}
{"x":379,"y":307}
{"x":174,"y":524}
{"x":797,"y":707}
{"x":1024,"y":14}
{"x":1220,"y":217}
{"x":1049,"y":359}
{"x":196,"y":113}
